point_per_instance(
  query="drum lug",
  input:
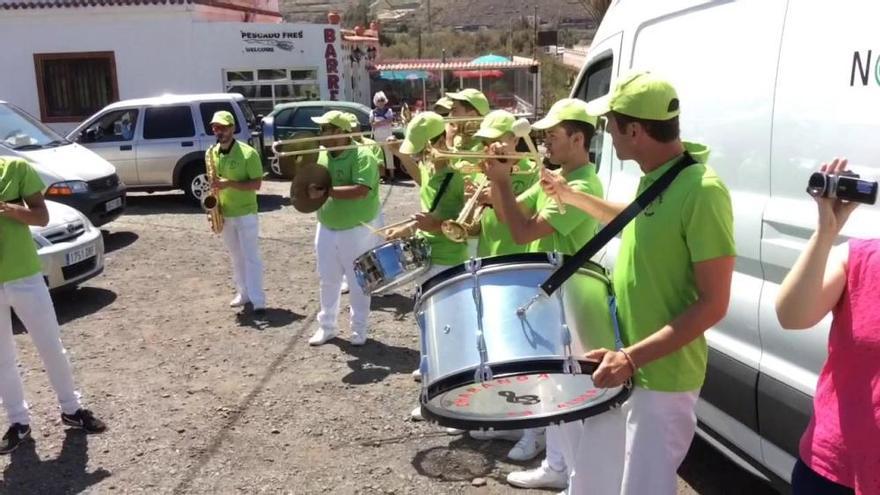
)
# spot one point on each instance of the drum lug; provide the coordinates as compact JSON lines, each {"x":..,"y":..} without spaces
{"x":555,"y":258}
{"x":483,"y":373}
{"x":473,"y":264}
{"x":447,"y":329}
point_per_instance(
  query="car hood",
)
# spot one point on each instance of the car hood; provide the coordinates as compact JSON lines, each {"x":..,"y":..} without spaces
{"x":70,"y":162}
{"x":59,"y":216}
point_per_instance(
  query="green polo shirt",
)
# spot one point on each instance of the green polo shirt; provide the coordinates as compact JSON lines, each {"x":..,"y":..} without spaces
{"x":572,"y":229}
{"x":358,"y":166}
{"x":241,"y":164}
{"x":18,"y":254}
{"x":691,"y":221}
{"x":443,"y":250}
{"x":495,"y":237}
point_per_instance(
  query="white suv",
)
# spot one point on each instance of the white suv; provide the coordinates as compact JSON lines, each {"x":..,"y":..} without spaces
{"x":159,"y":143}
{"x":71,"y":249}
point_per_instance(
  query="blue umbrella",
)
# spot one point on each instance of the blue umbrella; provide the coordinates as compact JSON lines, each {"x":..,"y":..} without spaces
{"x":403,"y":75}
{"x":490,"y":59}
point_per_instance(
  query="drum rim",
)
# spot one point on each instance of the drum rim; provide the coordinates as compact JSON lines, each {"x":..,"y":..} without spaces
{"x":406,"y":277}
{"x":505,"y":259}
{"x":552,"y":366}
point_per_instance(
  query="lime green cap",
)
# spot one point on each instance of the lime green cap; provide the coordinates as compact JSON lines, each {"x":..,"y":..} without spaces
{"x":642,"y":95}
{"x":444,"y":103}
{"x":352,"y":120}
{"x":223,"y":117}
{"x":424,"y":127}
{"x":496,"y":124}
{"x":335,"y":118}
{"x":473,"y":96}
{"x":566,"y":109}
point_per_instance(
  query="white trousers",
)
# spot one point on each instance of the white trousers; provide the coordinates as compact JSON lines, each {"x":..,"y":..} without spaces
{"x":242,"y":238}
{"x":633,"y":450}
{"x":30,"y":299}
{"x":336,"y":251}
{"x":555,"y":449}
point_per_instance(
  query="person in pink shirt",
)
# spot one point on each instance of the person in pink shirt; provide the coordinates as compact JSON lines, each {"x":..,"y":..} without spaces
{"x":840,"y":451}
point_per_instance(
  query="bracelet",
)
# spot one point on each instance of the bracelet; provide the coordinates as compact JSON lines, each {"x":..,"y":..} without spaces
{"x":629,"y":360}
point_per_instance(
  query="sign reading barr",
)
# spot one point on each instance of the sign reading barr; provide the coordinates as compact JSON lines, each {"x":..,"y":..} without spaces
{"x":256,"y":42}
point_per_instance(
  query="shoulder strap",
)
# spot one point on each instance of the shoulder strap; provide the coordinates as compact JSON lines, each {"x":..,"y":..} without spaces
{"x":446,"y":180}
{"x":575,"y":261}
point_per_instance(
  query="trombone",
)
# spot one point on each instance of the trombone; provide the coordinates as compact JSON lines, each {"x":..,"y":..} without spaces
{"x":299,"y":149}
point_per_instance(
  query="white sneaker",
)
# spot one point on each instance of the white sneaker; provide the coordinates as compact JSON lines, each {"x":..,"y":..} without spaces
{"x":358,"y":339}
{"x":542,"y":476}
{"x":321,"y":336}
{"x":509,"y":435}
{"x":238,"y":301}
{"x":453,"y":431}
{"x":528,"y":446}
{"x":416,"y":414}
{"x":417,"y":375}
{"x":344,"y":289}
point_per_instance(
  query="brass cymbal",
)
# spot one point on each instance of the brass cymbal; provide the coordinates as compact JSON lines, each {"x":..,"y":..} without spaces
{"x":289,"y":165}
{"x":299,"y":189}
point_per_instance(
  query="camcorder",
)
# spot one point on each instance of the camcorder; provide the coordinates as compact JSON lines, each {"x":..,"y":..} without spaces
{"x":846,"y":186}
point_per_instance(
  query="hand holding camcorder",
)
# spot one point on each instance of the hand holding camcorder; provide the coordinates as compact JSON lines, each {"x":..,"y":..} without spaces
{"x":844,"y":185}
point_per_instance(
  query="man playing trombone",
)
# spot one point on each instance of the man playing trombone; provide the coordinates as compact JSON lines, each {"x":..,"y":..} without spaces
{"x":343,"y":224}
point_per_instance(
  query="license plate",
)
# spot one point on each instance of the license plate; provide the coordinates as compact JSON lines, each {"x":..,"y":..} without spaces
{"x":113,"y":204}
{"x":80,"y":254}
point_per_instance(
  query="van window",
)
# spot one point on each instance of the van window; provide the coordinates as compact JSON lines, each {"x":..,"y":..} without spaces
{"x":21,"y":132}
{"x":596,"y":83}
{"x":114,"y":126}
{"x":301,"y":118}
{"x":168,"y":122}
{"x":207,"y":110}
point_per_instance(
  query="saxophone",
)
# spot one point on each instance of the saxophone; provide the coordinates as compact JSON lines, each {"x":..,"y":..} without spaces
{"x":210,"y":201}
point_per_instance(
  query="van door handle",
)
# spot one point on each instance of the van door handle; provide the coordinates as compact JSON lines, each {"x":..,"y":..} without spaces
{"x":186,"y":144}
{"x":125,"y":147}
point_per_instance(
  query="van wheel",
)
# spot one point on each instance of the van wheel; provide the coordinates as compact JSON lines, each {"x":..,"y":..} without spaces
{"x":194,"y":182}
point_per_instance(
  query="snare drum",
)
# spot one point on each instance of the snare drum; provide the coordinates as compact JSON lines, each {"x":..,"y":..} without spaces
{"x":392,"y":264}
{"x":487,"y":365}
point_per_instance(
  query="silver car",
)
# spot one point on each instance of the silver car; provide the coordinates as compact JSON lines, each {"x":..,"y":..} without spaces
{"x":159,"y":143}
{"x":71,"y":249}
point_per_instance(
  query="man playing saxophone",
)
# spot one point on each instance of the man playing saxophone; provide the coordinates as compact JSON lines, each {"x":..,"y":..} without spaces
{"x":240,"y":175}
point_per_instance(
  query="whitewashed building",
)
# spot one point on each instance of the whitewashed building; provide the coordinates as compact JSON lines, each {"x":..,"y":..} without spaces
{"x":64,"y":59}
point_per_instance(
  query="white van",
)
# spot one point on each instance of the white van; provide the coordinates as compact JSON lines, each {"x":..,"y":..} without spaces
{"x":73,"y":175}
{"x":774,"y":88}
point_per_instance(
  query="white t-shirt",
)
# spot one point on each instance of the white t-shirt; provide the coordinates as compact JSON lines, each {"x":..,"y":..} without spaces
{"x":381,"y":115}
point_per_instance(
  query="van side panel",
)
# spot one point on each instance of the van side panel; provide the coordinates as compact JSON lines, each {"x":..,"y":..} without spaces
{"x":726,"y":85}
{"x":828,"y":93}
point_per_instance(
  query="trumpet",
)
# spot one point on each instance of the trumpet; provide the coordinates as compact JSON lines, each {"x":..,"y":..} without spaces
{"x":460,"y":161}
{"x":468,"y":219}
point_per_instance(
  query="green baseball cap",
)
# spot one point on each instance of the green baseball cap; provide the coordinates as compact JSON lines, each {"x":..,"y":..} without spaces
{"x":444,"y":103}
{"x":335,"y":118}
{"x":496,"y":124}
{"x":566,"y":109}
{"x":424,"y":127}
{"x":641,"y":95}
{"x":223,"y":117}
{"x":473,"y":96}
{"x":352,"y":120}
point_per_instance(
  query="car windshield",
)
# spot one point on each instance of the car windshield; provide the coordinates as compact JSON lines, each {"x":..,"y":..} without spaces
{"x":21,"y":132}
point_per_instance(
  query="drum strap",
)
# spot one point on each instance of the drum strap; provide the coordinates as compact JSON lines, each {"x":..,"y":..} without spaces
{"x":577,"y":260}
{"x":443,"y":186}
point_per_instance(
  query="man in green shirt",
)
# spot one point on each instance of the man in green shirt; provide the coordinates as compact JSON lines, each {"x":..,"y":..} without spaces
{"x":240,"y":177}
{"x":672,"y":283}
{"x":343,"y":233}
{"x":22,"y":289}
{"x":533,"y":219}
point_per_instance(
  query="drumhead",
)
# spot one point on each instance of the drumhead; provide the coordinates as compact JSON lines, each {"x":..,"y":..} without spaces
{"x":507,"y":259}
{"x":528,"y":394}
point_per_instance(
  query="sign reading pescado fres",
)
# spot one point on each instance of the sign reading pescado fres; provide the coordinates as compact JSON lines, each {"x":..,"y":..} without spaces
{"x":282,"y":40}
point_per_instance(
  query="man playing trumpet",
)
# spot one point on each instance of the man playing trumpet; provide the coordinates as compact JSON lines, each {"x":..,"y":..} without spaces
{"x":343,"y":235}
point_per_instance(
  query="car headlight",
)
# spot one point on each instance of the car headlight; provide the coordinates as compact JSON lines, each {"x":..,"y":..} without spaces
{"x":67,"y":188}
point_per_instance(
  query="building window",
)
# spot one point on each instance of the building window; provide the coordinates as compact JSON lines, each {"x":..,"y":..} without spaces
{"x":72,"y":86}
{"x":265,"y":88}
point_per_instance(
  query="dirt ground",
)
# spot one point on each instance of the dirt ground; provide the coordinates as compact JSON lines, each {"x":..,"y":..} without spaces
{"x":200,"y":399}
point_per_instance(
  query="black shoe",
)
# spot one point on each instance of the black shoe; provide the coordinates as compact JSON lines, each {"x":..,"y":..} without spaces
{"x":15,"y":436}
{"x":260,"y":312}
{"x":84,"y":420}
